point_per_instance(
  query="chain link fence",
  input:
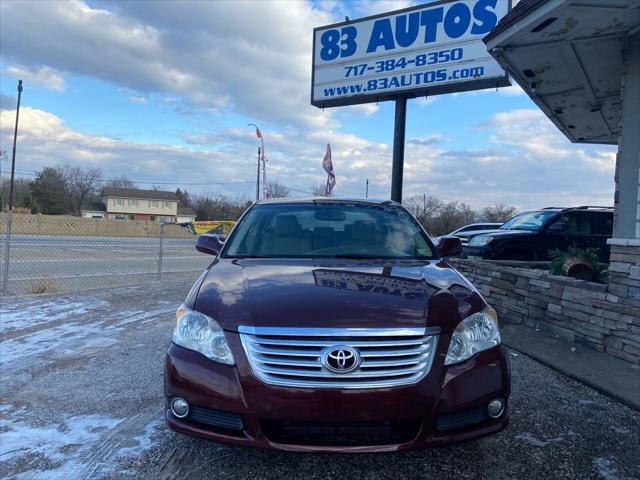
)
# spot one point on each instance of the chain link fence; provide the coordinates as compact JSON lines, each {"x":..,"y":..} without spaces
{"x":61,"y":253}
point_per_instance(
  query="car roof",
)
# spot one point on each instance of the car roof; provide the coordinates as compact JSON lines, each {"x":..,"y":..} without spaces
{"x":303,"y":200}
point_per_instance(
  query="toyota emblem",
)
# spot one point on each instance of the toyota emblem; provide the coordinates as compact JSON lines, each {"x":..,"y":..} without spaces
{"x":340,"y":359}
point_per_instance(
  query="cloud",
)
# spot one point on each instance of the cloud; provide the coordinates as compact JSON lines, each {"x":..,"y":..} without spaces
{"x":426,"y":140}
{"x":42,"y":76}
{"x":138,"y":99}
{"x":528,"y":164}
{"x":251,"y":57}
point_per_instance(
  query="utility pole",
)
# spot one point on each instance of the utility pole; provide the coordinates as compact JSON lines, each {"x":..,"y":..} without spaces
{"x":258,"y":178}
{"x":366,"y":191}
{"x":10,"y":215}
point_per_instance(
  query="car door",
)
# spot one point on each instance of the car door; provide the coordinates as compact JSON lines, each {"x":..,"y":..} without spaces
{"x":554,"y":237}
{"x":578,"y":228}
{"x":570,"y":228}
{"x":601,"y":231}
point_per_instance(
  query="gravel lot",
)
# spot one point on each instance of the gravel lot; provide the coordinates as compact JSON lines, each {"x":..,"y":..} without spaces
{"x":81,"y":397}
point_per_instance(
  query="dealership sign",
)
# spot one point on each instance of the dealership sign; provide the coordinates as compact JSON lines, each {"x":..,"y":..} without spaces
{"x":425,"y":50}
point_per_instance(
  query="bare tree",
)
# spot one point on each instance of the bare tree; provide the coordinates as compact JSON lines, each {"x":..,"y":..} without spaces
{"x":319,"y":189}
{"x":440,"y":218}
{"x":425,"y":208}
{"x":82,"y":183}
{"x":498,"y":213}
{"x":120,"y":182}
{"x":214,"y":206}
{"x":278,"y":189}
{"x":21,"y":189}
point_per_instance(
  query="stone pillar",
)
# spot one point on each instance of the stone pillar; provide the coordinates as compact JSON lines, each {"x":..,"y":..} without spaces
{"x":625,"y":244}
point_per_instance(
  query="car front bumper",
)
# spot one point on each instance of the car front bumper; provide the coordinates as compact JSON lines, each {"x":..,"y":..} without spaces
{"x":230,"y":405}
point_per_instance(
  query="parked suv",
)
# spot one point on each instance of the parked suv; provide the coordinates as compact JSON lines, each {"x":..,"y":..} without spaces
{"x":534,"y":235}
{"x":469,"y":231}
{"x":334,"y":325}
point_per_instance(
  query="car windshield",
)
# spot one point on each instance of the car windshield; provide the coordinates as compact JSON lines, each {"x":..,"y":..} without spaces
{"x":529,"y":220}
{"x":328,"y":230}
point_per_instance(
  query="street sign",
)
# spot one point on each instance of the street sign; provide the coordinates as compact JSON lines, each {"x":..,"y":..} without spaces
{"x":419,"y":51}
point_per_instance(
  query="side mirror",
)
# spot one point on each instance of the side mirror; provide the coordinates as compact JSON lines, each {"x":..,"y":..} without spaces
{"x":449,"y":246}
{"x":209,"y":243}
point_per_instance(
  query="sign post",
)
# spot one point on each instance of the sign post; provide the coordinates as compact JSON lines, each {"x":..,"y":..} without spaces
{"x":397,"y":167}
{"x":426,"y":50}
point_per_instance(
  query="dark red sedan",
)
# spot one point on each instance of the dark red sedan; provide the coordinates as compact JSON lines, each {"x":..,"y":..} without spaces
{"x":334,"y":325}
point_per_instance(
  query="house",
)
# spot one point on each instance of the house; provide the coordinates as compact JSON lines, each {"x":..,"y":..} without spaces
{"x":140,"y":205}
{"x":186,"y":215}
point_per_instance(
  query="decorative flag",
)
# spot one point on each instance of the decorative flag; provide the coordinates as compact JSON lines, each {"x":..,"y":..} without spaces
{"x":259,"y":135}
{"x":266,"y":192}
{"x":267,"y":189}
{"x":327,"y":164}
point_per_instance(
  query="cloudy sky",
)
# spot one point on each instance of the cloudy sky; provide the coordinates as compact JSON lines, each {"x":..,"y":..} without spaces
{"x":162,"y":93}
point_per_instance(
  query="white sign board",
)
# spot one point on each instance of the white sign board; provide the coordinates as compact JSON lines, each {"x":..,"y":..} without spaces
{"x":426,"y":50}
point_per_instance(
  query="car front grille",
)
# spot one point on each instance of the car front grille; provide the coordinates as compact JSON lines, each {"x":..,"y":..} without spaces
{"x":293,"y":357}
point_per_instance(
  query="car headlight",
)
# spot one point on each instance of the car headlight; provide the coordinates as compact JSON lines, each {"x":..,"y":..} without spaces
{"x":196,"y":331}
{"x":480,"y":240}
{"x":475,"y":333}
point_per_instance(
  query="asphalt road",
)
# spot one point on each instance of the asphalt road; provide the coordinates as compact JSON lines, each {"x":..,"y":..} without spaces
{"x":81,"y":397}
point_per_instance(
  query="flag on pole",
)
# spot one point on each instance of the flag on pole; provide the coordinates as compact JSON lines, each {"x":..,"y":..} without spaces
{"x":327,"y":164}
{"x":266,"y":192}
{"x":259,"y":135}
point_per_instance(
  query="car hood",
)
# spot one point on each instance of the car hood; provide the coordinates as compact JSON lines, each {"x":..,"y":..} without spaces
{"x":476,"y":232}
{"x":335,"y":293}
{"x":506,"y":233}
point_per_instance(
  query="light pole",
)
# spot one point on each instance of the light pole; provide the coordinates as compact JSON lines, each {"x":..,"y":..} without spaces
{"x":10,"y":214}
{"x":260,"y":153}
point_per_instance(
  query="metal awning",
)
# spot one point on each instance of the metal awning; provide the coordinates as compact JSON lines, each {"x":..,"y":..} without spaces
{"x":567,"y":56}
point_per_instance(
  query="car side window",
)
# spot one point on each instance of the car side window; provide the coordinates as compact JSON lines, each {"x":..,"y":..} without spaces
{"x":577,"y":223}
{"x":571,"y":223}
{"x":602,"y":224}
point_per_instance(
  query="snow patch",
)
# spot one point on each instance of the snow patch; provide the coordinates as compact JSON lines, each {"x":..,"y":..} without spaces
{"x":608,"y":470}
{"x":79,"y":446}
{"x":76,"y":337}
{"x":21,"y":315}
{"x":529,"y":438}
{"x":64,"y":445}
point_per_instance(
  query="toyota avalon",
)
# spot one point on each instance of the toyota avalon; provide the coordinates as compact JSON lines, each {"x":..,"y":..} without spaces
{"x":334,"y":325}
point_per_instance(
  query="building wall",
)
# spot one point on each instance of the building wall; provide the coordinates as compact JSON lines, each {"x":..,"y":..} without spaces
{"x":185,"y":219}
{"x":144,"y":206}
{"x":142,"y":217}
{"x":602,"y":317}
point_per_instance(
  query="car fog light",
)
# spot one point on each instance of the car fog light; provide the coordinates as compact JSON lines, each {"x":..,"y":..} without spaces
{"x":495,"y":409}
{"x":179,"y":407}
